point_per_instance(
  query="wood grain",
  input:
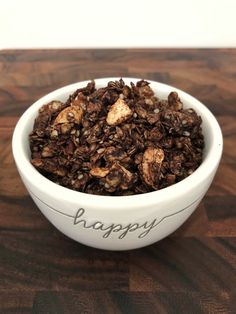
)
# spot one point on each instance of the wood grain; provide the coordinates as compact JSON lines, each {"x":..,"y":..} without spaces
{"x":192,"y":271}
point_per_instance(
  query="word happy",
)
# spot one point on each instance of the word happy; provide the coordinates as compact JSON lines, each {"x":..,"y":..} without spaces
{"x":122,"y":230}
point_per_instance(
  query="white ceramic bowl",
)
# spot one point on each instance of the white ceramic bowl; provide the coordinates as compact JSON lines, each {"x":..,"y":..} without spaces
{"x":118,"y":222}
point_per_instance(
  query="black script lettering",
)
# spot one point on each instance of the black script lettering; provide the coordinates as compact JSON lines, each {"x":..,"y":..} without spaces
{"x":98,"y":225}
{"x":152,"y":225}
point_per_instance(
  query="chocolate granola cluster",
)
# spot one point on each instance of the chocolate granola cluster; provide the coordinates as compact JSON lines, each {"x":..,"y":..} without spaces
{"x":116,"y":140}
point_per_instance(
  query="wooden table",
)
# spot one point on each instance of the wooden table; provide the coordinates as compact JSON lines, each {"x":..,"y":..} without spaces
{"x":192,"y":271}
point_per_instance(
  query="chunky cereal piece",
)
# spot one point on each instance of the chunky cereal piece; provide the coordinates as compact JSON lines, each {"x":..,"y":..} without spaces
{"x":69,"y":114}
{"x":99,"y":172}
{"x":151,"y":165}
{"x":118,"y":113}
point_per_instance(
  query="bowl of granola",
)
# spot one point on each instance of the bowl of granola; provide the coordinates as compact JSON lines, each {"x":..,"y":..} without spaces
{"x":117,"y":164}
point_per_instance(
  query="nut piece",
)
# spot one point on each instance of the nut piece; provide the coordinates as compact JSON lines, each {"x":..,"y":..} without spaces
{"x":54,"y":106}
{"x":65,"y":128}
{"x":69,"y":114}
{"x":120,"y":177}
{"x":99,"y":172}
{"x":47,"y":152}
{"x":151,"y":164}
{"x":128,"y":177}
{"x":118,"y":113}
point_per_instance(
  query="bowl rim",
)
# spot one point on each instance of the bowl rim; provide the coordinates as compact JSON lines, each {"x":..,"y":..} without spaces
{"x":44,"y":185}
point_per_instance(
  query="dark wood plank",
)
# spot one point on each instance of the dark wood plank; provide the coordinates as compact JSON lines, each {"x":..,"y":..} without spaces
{"x":16,"y":302}
{"x":228,"y":127}
{"x":220,"y":207}
{"x":132,"y":303}
{"x":38,"y":260}
{"x":185,"y":264}
{"x":115,"y":302}
{"x":196,"y":71}
{"x":197,"y":225}
{"x":192,"y":271}
{"x":225,"y":180}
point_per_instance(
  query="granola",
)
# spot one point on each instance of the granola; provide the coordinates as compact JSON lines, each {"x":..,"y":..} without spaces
{"x":117,"y":140}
